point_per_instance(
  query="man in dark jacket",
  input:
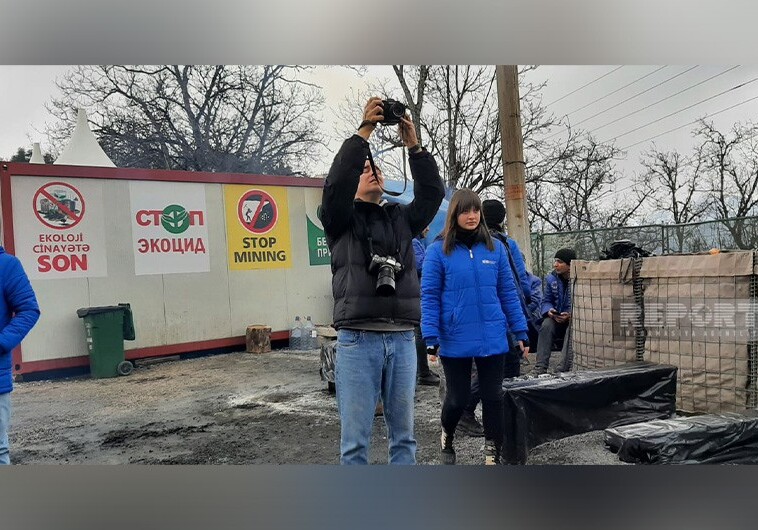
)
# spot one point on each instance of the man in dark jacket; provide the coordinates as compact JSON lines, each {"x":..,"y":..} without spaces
{"x":370,"y":240}
{"x":556,"y":310}
{"x":18,"y":314}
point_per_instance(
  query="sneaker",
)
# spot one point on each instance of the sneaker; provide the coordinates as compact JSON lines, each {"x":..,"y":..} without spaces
{"x":430,"y":379}
{"x":491,"y":453}
{"x":447,"y":453}
{"x":470,"y":426}
{"x":538,"y":370}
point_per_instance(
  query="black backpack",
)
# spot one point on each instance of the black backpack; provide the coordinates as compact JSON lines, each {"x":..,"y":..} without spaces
{"x":623,"y":248}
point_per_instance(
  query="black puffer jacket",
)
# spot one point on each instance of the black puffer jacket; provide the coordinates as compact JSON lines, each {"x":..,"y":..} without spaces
{"x":348,"y":222}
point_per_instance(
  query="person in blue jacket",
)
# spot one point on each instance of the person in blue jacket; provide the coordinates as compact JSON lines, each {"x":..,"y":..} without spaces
{"x":556,"y":310}
{"x":468,"y":306}
{"x":424,"y":375}
{"x":493,"y":212}
{"x":19,"y":312}
{"x":535,"y":308}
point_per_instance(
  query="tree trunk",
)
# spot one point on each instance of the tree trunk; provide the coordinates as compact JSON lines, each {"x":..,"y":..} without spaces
{"x":258,"y":339}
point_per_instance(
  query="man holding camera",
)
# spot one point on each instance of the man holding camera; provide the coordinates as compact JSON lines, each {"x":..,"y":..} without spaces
{"x":375,"y":285}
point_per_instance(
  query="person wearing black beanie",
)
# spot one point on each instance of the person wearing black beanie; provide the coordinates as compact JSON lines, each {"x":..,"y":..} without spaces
{"x":566,"y":255}
{"x":493,"y":212}
{"x":556,"y":310}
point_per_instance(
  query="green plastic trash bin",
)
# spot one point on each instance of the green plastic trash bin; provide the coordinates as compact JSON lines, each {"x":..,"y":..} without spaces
{"x":105,"y":329}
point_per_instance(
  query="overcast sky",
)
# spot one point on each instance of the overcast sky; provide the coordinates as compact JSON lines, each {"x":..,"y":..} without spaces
{"x":608,"y":100}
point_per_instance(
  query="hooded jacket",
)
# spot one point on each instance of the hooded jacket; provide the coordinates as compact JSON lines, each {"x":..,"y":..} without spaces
{"x":469,"y":300}
{"x":349,"y":222}
{"x":19,"y":312}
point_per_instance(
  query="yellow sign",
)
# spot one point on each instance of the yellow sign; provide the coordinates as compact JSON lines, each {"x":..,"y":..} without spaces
{"x":258,"y":227}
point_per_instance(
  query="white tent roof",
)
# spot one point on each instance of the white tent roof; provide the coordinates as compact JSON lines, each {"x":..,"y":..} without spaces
{"x":37,"y":157}
{"x":82,"y":148}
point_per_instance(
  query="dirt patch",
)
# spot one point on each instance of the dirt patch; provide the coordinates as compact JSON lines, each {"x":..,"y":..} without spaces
{"x":236,"y":408}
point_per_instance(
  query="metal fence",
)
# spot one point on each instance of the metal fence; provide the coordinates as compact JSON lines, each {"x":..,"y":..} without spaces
{"x":736,"y":233}
{"x":695,"y":312}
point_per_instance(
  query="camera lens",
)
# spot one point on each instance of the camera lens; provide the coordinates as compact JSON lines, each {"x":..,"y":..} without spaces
{"x":393,"y":111}
{"x":385,"y":281}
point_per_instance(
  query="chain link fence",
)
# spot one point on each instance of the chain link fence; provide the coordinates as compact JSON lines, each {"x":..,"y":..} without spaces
{"x":737,"y":233}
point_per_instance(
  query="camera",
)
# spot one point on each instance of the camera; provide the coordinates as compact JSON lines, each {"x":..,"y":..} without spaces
{"x":385,"y":267}
{"x":392,"y":110}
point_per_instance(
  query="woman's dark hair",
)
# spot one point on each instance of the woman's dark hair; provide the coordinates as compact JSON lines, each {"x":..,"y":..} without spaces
{"x":462,"y":201}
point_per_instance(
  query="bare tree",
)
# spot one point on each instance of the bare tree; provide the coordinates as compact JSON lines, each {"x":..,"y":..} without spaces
{"x":570,"y":178}
{"x":252,"y":119}
{"x":455,"y":109}
{"x":670,"y":180}
{"x":729,"y":165}
{"x":577,"y":192}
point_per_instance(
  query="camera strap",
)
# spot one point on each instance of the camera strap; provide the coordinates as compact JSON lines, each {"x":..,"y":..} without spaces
{"x":395,"y":240}
{"x":405,"y":176}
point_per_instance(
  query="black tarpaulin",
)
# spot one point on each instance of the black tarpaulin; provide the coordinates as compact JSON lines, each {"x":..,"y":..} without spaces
{"x":543,"y":409}
{"x":725,"y":438}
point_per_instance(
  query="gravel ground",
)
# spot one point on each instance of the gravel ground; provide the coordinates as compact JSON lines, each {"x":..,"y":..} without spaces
{"x":236,"y":408}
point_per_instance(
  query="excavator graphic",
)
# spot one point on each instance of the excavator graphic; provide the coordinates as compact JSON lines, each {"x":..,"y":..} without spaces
{"x":51,"y":211}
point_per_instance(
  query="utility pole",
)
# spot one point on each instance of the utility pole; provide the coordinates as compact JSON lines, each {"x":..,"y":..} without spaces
{"x":514,"y":184}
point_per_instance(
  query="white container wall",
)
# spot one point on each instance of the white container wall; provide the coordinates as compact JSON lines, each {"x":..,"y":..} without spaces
{"x":198,"y":261}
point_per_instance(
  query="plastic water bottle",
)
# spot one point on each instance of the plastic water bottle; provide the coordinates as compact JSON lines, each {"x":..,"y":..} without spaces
{"x":296,"y":335}
{"x":310,"y":341}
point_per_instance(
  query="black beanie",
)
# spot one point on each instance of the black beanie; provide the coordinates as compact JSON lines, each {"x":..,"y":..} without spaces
{"x":566,"y":255}
{"x":493,"y":212}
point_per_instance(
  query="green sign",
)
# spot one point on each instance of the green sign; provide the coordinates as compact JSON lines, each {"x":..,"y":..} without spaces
{"x":318,"y":251}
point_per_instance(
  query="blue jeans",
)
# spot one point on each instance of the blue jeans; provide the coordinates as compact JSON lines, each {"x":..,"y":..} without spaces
{"x":370,"y":365}
{"x":5,"y":418}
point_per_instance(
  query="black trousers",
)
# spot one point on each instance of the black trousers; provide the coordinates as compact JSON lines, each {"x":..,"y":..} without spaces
{"x":457,"y":398}
{"x":422,"y":362}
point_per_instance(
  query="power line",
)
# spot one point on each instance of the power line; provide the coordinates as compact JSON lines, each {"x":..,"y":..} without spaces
{"x":664,"y":99}
{"x":683,"y":109}
{"x":690,"y":123}
{"x":638,"y":94}
{"x":617,"y":90}
{"x":585,"y":86}
{"x":628,"y":99}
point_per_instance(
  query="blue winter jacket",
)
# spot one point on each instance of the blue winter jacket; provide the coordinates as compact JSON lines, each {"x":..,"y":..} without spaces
{"x":18,"y":314}
{"x":535,"y":305}
{"x":420,"y":251}
{"x":556,"y":294}
{"x":518,"y":260}
{"x":469,"y":301}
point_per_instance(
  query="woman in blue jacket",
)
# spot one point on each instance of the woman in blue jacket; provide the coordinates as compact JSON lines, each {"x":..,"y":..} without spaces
{"x":468,"y":304}
{"x":18,"y":314}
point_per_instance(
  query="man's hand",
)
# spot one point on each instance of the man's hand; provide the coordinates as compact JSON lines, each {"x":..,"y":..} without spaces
{"x":524,"y":349}
{"x":552,"y":313}
{"x":563,"y":317}
{"x":372,"y":114}
{"x":431,"y":352}
{"x":407,"y":131}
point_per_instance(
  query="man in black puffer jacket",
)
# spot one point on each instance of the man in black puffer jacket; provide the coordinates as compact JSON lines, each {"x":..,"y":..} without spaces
{"x":376,"y":354}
